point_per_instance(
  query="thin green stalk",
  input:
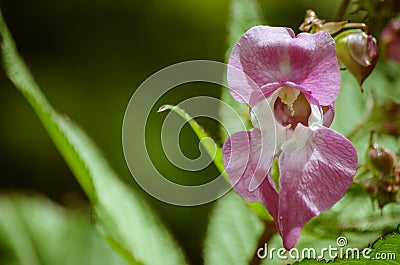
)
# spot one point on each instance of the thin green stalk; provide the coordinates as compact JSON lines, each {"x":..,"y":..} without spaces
{"x":355,"y":131}
{"x":342,"y":10}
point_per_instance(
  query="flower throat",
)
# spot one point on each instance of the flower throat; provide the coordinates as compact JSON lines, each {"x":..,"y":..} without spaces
{"x":291,"y":107}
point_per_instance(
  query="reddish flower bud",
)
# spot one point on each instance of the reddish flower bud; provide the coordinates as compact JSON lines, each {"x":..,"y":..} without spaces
{"x":390,"y":38}
{"x":358,"y":52}
{"x":380,"y":159}
{"x":372,"y":188}
{"x":385,"y":185}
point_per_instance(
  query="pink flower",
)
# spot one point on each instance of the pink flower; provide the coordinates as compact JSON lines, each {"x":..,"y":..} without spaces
{"x":390,"y":38}
{"x":290,"y":83}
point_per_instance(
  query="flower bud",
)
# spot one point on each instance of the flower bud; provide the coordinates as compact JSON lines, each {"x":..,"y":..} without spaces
{"x":380,"y":159}
{"x":387,"y":194}
{"x":390,"y":39}
{"x":372,"y":188}
{"x":358,"y":52}
{"x":385,"y":185}
{"x":390,"y":128}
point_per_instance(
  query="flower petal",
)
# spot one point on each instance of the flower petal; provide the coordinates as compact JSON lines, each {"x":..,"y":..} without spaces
{"x":247,"y":162}
{"x":317,"y":167}
{"x":263,"y":118}
{"x":329,"y":114}
{"x":248,"y":56}
{"x":313,"y":58}
{"x":272,"y":57}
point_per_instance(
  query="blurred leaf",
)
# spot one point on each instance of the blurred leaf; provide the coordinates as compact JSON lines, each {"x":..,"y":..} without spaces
{"x":122,"y":215}
{"x":384,"y":83}
{"x":233,"y":232}
{"x":35,"y":231}
{"x":350,"y":106}
{"x":244,"y":14}
{"x":213,"y":150}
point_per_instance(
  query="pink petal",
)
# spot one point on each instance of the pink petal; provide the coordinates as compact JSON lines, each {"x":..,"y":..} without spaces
{"x":314,"y":59}
{"x":272,"y":57}
{"x":243,"y":89}
{"x":246,"y":160}
{"x":329,"y":114}
{"x":317,"y":167}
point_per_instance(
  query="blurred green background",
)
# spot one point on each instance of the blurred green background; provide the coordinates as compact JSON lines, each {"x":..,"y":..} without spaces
{"x":88,"y":57}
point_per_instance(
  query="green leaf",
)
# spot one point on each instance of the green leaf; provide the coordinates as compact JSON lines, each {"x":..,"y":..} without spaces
{"x":350,"y":107}
{"x":123,"y":216}
{"x":244,"y":14}
{"x":213,"y":150}
{"x":35,"y":231}
{"x":233,"y":232}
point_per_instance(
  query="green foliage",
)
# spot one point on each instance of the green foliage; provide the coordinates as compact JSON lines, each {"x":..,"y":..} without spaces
{"x":351,"y":106}
{"x":384,"y":83}
{"x":35,"y":231}
{"x":122,"y":216}
{"x":233,"y":232}
{"x":243,"y":16}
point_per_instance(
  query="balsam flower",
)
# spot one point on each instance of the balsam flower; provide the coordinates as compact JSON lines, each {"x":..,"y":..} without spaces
{"x":298,"y":78}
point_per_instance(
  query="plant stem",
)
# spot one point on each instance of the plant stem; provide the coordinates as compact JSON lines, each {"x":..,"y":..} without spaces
{"x":342,"y":10}
{"x":355,"y":131}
